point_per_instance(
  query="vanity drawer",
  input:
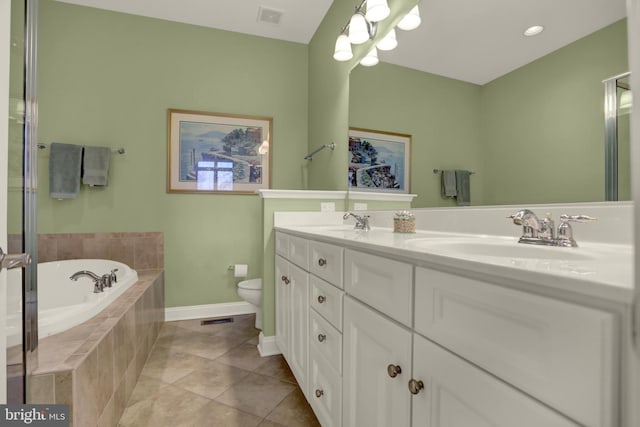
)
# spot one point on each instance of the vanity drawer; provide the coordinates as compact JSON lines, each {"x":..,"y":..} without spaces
{"x":282,"y":244}
{"x":326,"y":299}
{"x":558,"y":352}
{"x":324,"y":392}
{"x":299,"y":252}
{"x":325,"y":261}
{"x":325,"y":340}
{"x":384,"y":284}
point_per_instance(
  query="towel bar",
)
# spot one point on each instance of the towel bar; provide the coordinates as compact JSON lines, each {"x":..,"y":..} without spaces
{"x":120,"y":150}
{"x":440,"y":170}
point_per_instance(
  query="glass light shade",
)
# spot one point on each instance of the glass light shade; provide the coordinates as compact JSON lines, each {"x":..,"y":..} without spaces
{"x":371,"y":59}
{"x":411,"y":20}
{"x":626,"y":100}
{"x":377,"y":10}
{"x":358,"y":29}
{"x":533,"y":30}
{"x":342,"y":51}
{"x":389,"y":41}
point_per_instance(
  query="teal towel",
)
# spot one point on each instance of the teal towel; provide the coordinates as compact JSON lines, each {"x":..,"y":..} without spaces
{"x":65,"y":162}
{"x":449,"y":183}
{"x":96,"y":166}
{"x":463,"y":188}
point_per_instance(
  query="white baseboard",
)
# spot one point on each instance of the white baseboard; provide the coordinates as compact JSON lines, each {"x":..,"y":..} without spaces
{"x":267,"y":345}
{"x":208,"y":310}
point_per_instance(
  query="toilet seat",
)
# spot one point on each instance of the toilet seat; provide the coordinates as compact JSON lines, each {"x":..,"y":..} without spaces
{"x":252,"y":284}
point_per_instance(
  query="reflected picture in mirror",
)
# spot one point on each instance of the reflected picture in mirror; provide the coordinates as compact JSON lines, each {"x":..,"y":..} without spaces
{"x":525,"y":113}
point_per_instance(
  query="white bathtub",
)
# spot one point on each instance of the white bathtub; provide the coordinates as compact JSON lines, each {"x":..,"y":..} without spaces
{"x":64,"y":303}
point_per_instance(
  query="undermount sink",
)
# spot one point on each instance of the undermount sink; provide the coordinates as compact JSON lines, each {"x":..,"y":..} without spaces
{"x":485,"y":247}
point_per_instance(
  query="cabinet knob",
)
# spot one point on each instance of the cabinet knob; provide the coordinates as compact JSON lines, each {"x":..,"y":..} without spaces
{"x":285,"y":279}
{"x":319,"y":393}
{"x":415,"y":386}
{"x":322,"y":262}
{"x":321,"y":299}
{"x":394,"y":370}
{"x":322,"y":337}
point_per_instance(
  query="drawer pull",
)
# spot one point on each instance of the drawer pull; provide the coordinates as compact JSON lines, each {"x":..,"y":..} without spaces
{"x":415,"y":386}
{"x":394,"y":370}
{"x":322,"y":337}
{"x":322,"y":262}
{"x":321,"y":299}
{"x":319,"y":393}
{"x":285,"y":279}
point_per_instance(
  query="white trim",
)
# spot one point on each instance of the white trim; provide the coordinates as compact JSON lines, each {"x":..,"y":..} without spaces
{"x":267,"y":345}
{"x":388,"y":197}
{"x":208,"y":310}
{"x":302,"y":194}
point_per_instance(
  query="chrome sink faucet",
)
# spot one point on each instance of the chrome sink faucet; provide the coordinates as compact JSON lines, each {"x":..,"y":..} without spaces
{"x":362,"y":221}
{"x":543,"y":232}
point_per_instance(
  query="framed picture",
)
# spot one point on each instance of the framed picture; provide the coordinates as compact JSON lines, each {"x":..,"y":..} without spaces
{"x":379,"y":161}
{"x":218,"y":153}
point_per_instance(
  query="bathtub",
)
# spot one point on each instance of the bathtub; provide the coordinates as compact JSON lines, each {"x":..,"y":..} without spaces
{"x":62,"y":302}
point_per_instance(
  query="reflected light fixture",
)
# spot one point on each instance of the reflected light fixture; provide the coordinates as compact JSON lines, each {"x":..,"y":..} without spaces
{"x":389,"y":42}
{"x":358,"y":28}
{"x":411,"y":20}
{"x":264,"y":147}
{"x":342,"y":51}
{"x":534,"y":30}
{"x":377,"y":10}
{"x":626,"y":100}
{"x":371,"y":59}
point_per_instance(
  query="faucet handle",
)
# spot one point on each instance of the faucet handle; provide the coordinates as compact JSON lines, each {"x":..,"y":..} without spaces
{"x":565,"y":232}
{"x":577,"y":218}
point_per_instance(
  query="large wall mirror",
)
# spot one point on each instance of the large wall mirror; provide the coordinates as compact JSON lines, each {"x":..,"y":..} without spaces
{"x":526,"y":114}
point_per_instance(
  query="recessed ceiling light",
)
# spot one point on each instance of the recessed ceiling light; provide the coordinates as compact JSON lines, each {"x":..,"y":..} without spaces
{"x":269,"y":15}
{"x":533,"y":30}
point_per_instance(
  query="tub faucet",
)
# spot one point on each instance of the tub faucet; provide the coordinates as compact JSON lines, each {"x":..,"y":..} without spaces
{"x":362,"y":221}
{"x":98,"y":282}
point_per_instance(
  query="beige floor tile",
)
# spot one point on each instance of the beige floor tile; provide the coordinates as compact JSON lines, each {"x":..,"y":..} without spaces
{"x":212,"y":381}
{"x":203,"y":345}
{"x":169,"y":366}
{"x":276,"y":366}
{"x":170,"y":406}
{"x":216,"y":414}
{"x":268,"y":423}
{"x":256,"y":394}
{"x":294,"y":411}
{"x":245,"y":356}
{"x":146,"y":388}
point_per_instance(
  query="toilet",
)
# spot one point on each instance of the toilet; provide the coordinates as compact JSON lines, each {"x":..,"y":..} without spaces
{"x":251,"y":292}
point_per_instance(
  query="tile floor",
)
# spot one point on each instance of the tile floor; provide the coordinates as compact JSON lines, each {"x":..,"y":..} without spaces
{"x":212,"y":375}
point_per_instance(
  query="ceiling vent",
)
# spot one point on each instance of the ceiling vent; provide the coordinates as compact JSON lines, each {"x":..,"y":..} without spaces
{"x":268,"y":15}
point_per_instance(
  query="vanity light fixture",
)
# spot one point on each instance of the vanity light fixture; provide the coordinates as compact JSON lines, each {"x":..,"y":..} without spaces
{"x":362,"y":27}
{"x":389,"y":42}
{"x":371,"y":59}
{"x":411,"y":20}
{"x":534,"y":30}
{"x":377,"y":10}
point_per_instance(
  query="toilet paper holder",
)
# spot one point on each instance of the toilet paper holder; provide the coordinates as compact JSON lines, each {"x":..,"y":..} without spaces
{"x":239,"y":270}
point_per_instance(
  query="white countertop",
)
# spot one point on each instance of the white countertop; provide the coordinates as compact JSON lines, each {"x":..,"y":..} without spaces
{"x":594,"y":269}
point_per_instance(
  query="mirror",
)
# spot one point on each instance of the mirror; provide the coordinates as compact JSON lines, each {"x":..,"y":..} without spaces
{"x":530,"y":127}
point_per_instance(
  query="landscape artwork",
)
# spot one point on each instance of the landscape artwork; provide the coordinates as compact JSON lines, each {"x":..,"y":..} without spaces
{"x":220,"y":153}
{"x":379,"y":161}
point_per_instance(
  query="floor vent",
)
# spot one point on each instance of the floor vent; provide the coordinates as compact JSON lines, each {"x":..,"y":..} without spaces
{"x":217,"y":321}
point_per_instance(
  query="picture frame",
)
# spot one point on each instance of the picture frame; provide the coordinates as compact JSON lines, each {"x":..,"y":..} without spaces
{"x":218,"y":152}
{"x":379,"y":161}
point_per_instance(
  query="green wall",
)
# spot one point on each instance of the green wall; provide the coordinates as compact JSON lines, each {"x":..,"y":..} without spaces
{"x":108,"y":79}
{"x":535,"y":135}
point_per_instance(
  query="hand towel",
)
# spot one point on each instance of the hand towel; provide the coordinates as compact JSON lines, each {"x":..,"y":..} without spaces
{"x":449,"y":183}
{"x":463,"y":188}
{"x":65,"y":162}
{"x":96,"y":166}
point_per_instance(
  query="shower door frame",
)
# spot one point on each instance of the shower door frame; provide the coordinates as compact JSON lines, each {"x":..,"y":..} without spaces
{"x":611,"y":136}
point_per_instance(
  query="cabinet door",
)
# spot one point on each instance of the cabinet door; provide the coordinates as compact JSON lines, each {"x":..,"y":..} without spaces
{"x":372,"y":397}
{"x":298,"y":325}
{"x":282,"y":283}
{"x":457,"y":394}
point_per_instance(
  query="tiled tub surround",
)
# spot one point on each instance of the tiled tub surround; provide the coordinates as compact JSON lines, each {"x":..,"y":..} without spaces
{"x":94,"y":366}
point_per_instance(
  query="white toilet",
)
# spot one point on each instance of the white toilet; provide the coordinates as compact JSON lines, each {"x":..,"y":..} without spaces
{"x":251,"y":291}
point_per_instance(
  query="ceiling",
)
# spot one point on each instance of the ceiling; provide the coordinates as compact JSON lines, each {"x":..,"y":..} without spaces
{"x":471,"y":40}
